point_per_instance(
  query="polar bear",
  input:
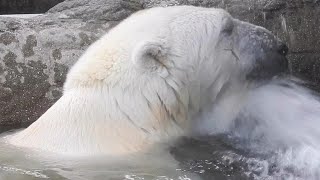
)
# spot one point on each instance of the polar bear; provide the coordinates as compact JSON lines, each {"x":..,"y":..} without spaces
{"x":145,"y":80}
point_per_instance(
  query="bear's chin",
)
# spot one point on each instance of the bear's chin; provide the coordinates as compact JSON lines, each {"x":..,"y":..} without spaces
{"x":268,"y":70}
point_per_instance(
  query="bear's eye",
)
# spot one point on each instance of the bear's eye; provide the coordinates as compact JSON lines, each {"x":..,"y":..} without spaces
{"x":228,"y":27}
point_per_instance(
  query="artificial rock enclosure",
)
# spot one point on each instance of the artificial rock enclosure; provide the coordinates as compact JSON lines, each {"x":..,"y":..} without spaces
{"x":36,"y":52}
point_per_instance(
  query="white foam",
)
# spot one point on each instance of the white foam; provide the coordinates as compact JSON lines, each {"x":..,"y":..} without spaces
{"x":280,"y":119}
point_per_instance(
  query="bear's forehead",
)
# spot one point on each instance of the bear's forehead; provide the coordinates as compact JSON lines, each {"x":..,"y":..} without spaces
{"x":158,"y":22}
{"x":160,"y":15}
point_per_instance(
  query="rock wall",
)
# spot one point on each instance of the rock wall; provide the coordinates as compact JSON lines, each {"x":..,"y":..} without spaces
{"x":35,"y":53}
{"x":34,"y":58}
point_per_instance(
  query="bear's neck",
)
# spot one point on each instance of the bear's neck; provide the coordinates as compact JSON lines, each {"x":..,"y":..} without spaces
{"x":107,"y":121}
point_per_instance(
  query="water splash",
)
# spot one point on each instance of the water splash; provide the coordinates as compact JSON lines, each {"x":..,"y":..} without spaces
{"x":280,"y":121}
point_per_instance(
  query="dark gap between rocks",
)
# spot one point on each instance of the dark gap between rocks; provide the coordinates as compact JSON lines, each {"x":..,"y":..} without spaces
{"x":26,"y":6}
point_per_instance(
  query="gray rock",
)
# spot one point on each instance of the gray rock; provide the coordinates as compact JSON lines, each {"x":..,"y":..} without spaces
{"x":106,"y":10}
{"x":35,"y":53}
{"x":34,"y":58}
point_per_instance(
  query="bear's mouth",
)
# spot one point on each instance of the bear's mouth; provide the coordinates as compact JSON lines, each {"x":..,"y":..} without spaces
{"x":266,"y":69}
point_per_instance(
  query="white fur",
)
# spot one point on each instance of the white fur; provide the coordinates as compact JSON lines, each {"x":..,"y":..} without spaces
{"x":137,"y":85}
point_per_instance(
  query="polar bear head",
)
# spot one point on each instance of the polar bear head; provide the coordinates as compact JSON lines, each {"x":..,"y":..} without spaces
{"x":148,"y":76}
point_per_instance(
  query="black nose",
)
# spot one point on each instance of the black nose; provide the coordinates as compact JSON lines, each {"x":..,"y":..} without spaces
{"x":283,"y":49}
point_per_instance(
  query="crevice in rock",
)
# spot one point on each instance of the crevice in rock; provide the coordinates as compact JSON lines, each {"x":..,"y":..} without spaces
{"x":26,"y":6}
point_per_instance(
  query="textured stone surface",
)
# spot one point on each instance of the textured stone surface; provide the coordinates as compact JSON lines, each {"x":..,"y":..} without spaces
{"x":35,"y":53}
{"x":106,"y":10}
{"x":34,"y":58}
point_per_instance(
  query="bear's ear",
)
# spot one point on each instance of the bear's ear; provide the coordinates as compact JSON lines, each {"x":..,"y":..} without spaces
{"x":150,"y":55}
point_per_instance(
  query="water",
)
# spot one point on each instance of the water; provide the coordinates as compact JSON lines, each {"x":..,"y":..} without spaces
{"x":28,"y":165}
{"x":278,"y":124}
{"x":268,"y":132}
